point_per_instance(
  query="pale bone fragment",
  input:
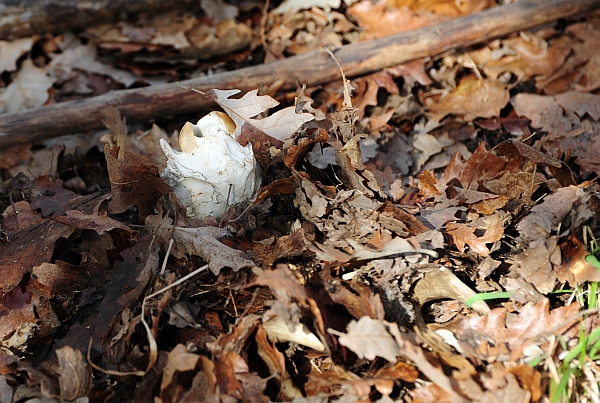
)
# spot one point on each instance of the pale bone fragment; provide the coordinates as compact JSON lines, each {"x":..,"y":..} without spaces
{"x":279,"y":329}
{"x":441,"y":283}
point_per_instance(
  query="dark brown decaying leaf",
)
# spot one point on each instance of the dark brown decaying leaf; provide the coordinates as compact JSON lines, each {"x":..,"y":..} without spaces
{"x":40,"y":236}
{"x":528,"y":152}
{"x":134,"y":182}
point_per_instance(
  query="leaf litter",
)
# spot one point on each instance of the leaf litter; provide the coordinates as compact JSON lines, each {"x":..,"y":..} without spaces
{"x":349,"y":277}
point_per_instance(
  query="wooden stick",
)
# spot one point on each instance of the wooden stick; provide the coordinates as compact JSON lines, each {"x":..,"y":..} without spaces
{"x":21,"y":18}
{"x":312,"y":68}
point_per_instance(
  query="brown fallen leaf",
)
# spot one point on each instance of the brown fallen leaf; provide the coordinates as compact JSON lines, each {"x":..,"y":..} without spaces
{"x":368,"y":338}
{"x":545,"y":216}
{"x":275,"y":361}
{"x":40,"y":237}
{"x":135,"y":181}
{"x":179,"y":360}
{"x":482,"y":165}
{"x":534,"y":265}
{"x":203,"y":242}
{"x":75,"y":374}
{"x":380,"y":20}
{"x":575,"y":269}
{"x":473,"y":98}
{"x":283,"y":284}
{"x":464,"y":234}
{"x":487,"y":336}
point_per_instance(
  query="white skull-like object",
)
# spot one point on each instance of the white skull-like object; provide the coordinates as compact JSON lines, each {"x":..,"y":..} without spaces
{"x":213,"y":171}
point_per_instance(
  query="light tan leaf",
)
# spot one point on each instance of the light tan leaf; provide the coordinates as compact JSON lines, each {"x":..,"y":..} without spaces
{"x":281,"y":330}
{"x":368,"y":338}
{"x":180,"y":360}
{"x":11,"y":51}
{"x":75,"y":374}
{"x":218,"y":10}
{"x":83,"y":57}
{"x":203,"y":242}
{"x":281,"y":125}
{"x":28,"y":90}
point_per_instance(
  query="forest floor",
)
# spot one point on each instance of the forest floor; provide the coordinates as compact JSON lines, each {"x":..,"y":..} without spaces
{"x":426,"y":232}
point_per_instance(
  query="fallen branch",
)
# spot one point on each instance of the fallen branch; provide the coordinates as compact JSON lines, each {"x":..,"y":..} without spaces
{"x":312,"y":68}
{"x":23,"y":18}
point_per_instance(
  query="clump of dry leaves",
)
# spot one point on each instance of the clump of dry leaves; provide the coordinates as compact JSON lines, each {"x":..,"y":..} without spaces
{"x":389,"y":203}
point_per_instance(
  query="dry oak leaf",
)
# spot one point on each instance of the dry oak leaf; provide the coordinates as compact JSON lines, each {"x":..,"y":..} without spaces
{"x":368,"y":338}
{"x":482,"y":165}
{"x":472,"y":98}
{"x":557,"y":113}
{"x":465,"y":234}
{"x":531,"y":322}
{"x":281,"y":125}
{"x":571,"y":120}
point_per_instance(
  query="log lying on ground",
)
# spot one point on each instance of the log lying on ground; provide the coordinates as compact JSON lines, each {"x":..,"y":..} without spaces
{"x":21,"y":18}
{"x":312,"y":68}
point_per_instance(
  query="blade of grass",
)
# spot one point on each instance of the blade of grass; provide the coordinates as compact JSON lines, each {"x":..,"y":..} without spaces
{"x":487,"y":296}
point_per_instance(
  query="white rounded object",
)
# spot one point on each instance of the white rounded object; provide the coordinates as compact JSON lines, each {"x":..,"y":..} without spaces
{"x":213,"y":171}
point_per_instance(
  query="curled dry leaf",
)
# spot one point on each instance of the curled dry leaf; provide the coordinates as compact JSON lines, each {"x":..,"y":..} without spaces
{"x":134,"y":181}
